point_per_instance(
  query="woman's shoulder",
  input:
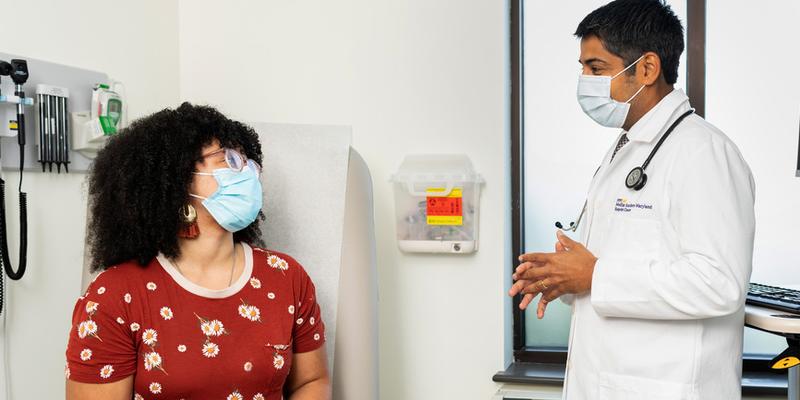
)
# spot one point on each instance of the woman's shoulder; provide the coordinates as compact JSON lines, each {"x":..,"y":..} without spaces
{"x":278,"y":262}
{"x":123,"y":275}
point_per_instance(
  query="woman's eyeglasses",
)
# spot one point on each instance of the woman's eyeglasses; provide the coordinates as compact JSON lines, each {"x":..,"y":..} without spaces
{"x":234,"y":159}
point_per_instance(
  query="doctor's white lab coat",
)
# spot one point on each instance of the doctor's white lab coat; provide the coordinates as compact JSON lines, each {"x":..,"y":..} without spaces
{"x":664,"y":319}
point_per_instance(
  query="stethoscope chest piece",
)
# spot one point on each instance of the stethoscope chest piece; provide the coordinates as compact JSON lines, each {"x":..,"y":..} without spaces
{"x":636,"y":179}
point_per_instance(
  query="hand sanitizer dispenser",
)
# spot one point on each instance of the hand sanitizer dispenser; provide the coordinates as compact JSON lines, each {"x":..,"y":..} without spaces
{"x":437,"y":203}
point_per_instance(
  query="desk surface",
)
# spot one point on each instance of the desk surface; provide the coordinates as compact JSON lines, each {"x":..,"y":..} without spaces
{"x":776,"y":321}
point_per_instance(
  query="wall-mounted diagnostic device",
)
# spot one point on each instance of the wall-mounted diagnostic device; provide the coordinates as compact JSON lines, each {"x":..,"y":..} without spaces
{"x":49,"y":142}
{"x":63,"y":96}
{"x":53,"y":138}
{"x":17,"y":69}
{"x":437,"y":203}
{"x":106,"y":116}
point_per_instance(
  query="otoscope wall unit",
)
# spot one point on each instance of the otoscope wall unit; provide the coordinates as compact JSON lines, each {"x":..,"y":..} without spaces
{"x":57,"y":102}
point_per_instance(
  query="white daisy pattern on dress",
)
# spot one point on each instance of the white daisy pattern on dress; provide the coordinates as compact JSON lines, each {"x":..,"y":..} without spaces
{"x":217,"y":329}
{"x":206,"y":328}
{"x":150,"y":337}
{"x":91,"y":327}
{"x":210,"y":350}
{"x":243,"y":310}
{"x":152,"y":360}
{"x":211,"y":328}
{"x":66,"y":371}
{"x":278,"y":263}
{"x":168,"y":339}
{"x":106,"y":371}
{"x":283,"y":265}
{"x":155,"y":388}
{"x":250,"y":312}
{"x":235,"y":396}
{"x":88,"y":328}
{"x":272,"y":260}
{"x":253,"y":313}
{"x":82,"y":330}
{"x":166,"y":313}
{"x":101,"y":290}
{"x":91,"y":307}
{"x":278,"y":361}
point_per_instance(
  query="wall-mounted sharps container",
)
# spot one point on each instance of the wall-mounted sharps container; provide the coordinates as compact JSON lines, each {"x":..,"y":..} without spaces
{"x":437,"y":203}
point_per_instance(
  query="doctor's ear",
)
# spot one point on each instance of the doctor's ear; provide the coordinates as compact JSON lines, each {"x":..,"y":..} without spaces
{"x":649,"y":69}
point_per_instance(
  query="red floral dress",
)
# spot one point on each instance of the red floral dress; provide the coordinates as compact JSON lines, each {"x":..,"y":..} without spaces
{"x":183,"y":341}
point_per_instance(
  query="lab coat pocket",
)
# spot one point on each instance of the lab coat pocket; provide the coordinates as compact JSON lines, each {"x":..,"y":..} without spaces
{"x":630,"y":237}
{"x":626,"y":387}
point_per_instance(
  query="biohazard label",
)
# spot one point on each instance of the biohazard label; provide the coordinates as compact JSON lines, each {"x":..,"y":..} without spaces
{"x":445,"y":210}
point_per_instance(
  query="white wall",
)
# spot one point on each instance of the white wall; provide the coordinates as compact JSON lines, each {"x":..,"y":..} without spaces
{"x":140,"y":48}
{"x":410,"y":76}
{"x":760,"y":111}
{"x":431,"y":76}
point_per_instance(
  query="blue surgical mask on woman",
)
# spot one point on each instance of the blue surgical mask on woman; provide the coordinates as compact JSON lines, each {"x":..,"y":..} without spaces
{"x":238,"y":198}
{"x":594,"y":96}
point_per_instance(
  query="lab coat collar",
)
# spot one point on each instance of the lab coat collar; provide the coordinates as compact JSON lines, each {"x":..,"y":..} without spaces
{"x":657,"y":120}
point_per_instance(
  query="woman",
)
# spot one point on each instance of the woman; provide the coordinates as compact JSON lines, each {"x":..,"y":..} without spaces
{"x":187,"y":305}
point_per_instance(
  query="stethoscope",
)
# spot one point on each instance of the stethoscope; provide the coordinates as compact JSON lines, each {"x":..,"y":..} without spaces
{"x":636,"y":179}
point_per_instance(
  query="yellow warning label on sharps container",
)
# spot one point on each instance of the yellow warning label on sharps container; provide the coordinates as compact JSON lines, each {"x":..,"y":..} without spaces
{"x":444,"y":210}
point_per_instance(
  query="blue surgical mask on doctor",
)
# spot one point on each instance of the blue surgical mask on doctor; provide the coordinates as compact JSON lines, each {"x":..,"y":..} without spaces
{"x":238,"y":198}
{"x":594,"y":96}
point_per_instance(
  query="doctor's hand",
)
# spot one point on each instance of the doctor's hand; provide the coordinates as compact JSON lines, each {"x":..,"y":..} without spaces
{"x":520,"y":284}
{"x":568,"y":270}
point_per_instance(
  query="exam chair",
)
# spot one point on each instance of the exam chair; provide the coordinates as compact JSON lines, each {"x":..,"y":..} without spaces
{"x":356,"y":350}
{"x":318,"y":208}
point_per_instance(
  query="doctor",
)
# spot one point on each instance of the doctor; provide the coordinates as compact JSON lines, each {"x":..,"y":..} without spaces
{"x":658,"y":280}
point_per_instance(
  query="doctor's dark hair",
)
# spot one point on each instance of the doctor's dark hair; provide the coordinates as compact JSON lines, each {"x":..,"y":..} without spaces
{"x":629,"y":28}
{"x":142,"y":177}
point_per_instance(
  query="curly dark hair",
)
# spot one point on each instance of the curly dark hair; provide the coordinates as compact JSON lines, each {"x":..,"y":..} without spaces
{"x":141,"y":178}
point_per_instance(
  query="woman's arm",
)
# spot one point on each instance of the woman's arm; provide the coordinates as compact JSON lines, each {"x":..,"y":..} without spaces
{"x":119,"y":390}
{"x":309,"y":377}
